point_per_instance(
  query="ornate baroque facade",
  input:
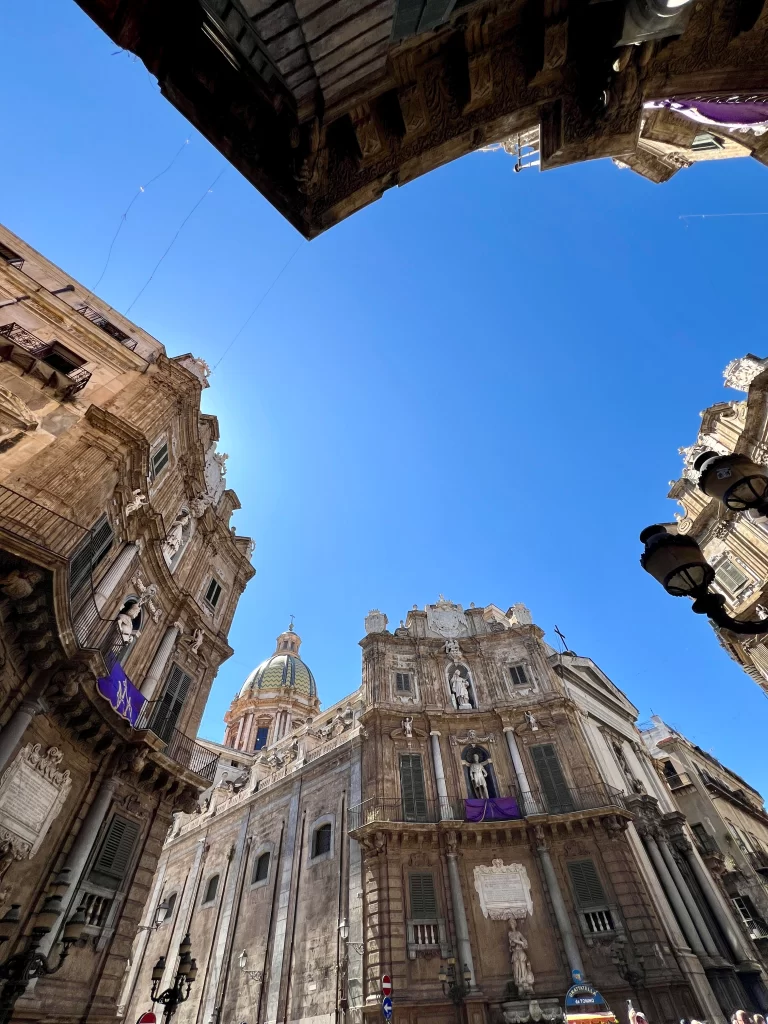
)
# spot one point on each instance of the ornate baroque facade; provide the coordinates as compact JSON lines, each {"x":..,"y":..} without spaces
{"x":481,"y":797}
{"x":119,"y":577}
{"x":325,"y":106}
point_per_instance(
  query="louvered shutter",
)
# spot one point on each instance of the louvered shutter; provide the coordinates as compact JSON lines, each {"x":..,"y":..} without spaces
{"x":88,"y":555}
{"x":423,"y":899}
{"x":551,"y":779}
{"x":115,"y":852}
{"x":730,"y":576}
{"x":167,"y":712}
{"x":586,"y":884}
{"x":412,"y":787}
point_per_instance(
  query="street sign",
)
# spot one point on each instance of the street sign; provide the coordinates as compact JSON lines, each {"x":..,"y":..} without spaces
{"x":147,"y":1018}
{"x":386,"y":985}
{"x":386,"y":1008}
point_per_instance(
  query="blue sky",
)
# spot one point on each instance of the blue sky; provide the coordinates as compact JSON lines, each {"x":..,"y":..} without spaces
{"x":477,"y":386}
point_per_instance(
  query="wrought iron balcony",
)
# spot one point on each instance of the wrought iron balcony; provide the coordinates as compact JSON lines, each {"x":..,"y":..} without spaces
{"x":678,"y":780}
{"x":158,"y":717}
{"x":707,"y":844}
{"x":759,"y":860}
{"x":31,"y":521}
{"x":107,"y":326}
{"x":32,"y":352}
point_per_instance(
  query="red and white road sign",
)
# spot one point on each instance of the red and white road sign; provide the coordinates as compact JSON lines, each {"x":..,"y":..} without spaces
{"x":147,"y":1018}
{"x":386,"y":985}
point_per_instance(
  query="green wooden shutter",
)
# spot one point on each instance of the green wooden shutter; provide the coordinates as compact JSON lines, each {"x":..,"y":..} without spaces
{"x":421,"y":886}
{"x":551,"y":779}
{"x":586,"y":884}
{"x":171,"y":702}
{"x":88,"y":555}
{"x":115,"y":852}
{"x":412,"y":787}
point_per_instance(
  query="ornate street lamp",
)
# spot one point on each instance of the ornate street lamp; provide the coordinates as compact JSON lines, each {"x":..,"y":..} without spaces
{"x":358,"y":947}
{"x":186,"y":972}
{"x":19,"y":969}
{"x":253,"y":975}
{"x":679,"y":565}
{"x":456,"y":988}
{"x":634,"y":975}
{"x":735,"y":480}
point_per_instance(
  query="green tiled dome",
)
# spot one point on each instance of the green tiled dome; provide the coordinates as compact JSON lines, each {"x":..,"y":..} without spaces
{"x":284,"y":670}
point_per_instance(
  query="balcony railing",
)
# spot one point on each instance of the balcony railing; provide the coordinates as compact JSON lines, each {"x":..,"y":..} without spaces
{"x":32,"y":521}
{"x":586,"y":798}
{"x":192,"y":755}
{"x":23,"y":339}
{"x":678,"y":780}
{"x":707,"y":844}
{"x":107,"y":326}
{"x":759,"y":860}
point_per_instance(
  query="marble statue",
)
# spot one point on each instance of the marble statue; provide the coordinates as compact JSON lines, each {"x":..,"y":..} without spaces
{"x":196,"y":641}
{"x":460,"y":689}
{"x":125,"y":621}
{"x":522,"y":975}
{"x":531,"y":720}
{"x":138,"y":501}
{"x":175,"y":537}
{"x":452,"y":649}
{"x":478,"y":776}
{"x":408,"y":727}
{"x":19,"y":583}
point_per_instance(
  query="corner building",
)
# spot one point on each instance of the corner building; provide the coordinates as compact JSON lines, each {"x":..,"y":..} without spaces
{"x":481,"y":797}
{"x":120,"y":573}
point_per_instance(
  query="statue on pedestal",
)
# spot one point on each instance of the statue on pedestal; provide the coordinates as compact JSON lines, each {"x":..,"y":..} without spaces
{"x":460,"y":689}
{"x":522,"y":975}
{"x":478,"y":776}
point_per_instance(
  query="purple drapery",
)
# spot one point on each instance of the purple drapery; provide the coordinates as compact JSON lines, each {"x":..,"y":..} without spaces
{"x":500,"y":808}
{"x":741,"y":113}
{"x":118,"y":689}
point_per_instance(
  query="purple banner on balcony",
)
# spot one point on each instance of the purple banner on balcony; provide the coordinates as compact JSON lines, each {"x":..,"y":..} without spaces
{"x":500,"y":808}
{"x":118,"y":689}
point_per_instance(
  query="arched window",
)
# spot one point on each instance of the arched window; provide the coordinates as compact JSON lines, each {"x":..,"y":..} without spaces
{"x":321,"y":840}
{"x":170,"y":904}
{"x":261,"y":868}
{"x":468,"y":756}
{"x":211,"y":889}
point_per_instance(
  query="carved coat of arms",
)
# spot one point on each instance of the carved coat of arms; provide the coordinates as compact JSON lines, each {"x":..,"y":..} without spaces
{"x":446,"y":619}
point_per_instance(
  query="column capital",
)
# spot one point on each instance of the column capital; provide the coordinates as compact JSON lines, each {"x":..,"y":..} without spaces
{"x":508,"y":728}
{"x":33,"y":706}
{"x":434,"y":732}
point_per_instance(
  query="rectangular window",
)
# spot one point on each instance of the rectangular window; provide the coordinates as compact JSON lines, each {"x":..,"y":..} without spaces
{"x":167,"y":711}
{"x":158,"y":461}
{"x":704,"y":141}
{"x":261,"y":737}
{"x":519,"y":675}
{"x":403,"y":682}
{"x":92,"y":550}
{"x":730,"y":577}
{"x":551,"y":779}
{"x":752,"y":922}
{"x":9,"y":256}
{"x":421,"y":888}
{"x":112,"y":861}
{"x":213,"y":593}
{"x":590,"y":896}
{"x":412,"y":788}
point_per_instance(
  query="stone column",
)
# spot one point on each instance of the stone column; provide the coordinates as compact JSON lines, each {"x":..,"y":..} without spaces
{"x":459,"y":913}
{"x":157,"y":667}
{"x":283,"y":905}
{"x":526,"y":795}
{"x":688,"y":900}
{"x":79,"y":853}
{"x":442,"y":792}
{"x":561,"y":911}
{"x":114,"y":574}
{"x":16,"y":726}
{"x":737,"y":945}
{"x":681,"y":912}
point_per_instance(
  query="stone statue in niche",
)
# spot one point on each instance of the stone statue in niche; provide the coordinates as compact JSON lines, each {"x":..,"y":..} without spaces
{"x":531,"y":720}
{"x":522,"y":975}
{"x":19,"y":583}
{"x":460,"y":690}
{"x":125,"y":621}
{"x":137,"y":501}
{"x":478,"y":776}
{"x":408,"y":727}
{"x":452,"y":649}
{"x":175,"y":538}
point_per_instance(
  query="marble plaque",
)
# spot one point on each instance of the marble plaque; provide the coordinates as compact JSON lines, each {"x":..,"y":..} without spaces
{"x":504,"y":891}
{"x":32,"y":791}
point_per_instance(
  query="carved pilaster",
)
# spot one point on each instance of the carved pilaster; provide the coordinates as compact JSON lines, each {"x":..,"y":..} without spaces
{"x":369,"y":133}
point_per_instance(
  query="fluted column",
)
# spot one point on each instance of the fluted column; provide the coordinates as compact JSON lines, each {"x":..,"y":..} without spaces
{"x":16,"y":726}
{"x":526,"y":795}
{"x":687,"y":898}
{"x":442,"y":792}
{"x":114,"y":574}
{"x":157,"y":667}
{"x":79,"y":853}
{"x":459,"y":912}
{"x":561,"y":911}
{"x":674,"y":897}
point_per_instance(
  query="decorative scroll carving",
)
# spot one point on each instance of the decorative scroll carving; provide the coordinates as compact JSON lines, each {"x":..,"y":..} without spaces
{"x":480,"y":81}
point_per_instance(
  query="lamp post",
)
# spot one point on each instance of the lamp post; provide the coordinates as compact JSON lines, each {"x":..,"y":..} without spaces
{"x":677,"y":561}
{"x":456,"y":988}
{"x":253,"y":975}
{"x":19,"y":969}
{"x":186,"y":972}
{"x":634,"y":975}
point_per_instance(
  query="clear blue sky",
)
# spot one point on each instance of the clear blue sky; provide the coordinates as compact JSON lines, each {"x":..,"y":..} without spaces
{"x":477,"y":386}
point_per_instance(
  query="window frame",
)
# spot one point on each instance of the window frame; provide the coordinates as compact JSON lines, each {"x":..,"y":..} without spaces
{"x":523,"y":668}
{"x":724,"y":587}
{"x":407,"y":677}
{"x":314,"y":828}
{"x":101,"y":932}
{"x":207,"y":900}
{"x":413,"y":922}
{"x":213,"y":579}
{"x":266,"y":850}
{"x":162,"y":443}
{"x":585,"y":910}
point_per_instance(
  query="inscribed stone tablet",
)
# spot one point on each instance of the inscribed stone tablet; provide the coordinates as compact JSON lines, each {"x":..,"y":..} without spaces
{"x":504,"y":891}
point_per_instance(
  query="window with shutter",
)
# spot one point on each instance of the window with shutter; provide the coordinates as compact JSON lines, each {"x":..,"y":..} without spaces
{"x":551,"y":779}
{"x":730,"y":577}
{"x":421,"y":888}
{"x":168,"y":708}
{"x":403,"y":682}
{"x":519,"y":676}
{"x":92,"y":550}
{"x":321,"y":840}
{"x":112,"y":861}
{"x":412,"y":788}
{"x":590,"y":897}
{"x":158,"y":461}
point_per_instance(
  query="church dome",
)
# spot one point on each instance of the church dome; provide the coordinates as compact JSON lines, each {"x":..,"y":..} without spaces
{"x":283,"y":671}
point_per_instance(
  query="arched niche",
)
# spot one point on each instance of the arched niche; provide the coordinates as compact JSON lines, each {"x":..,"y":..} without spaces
{"x":468,"y":755}
{"x":456,"y":672}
